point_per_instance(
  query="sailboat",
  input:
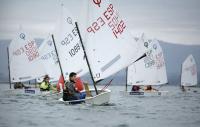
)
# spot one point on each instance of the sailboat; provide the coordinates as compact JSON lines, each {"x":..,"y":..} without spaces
{"x":71,"y":56}
{"x":189,"y":72}
{"x":107,"y":46}
{"x":24,"y":61}
{"x":151,"y":70}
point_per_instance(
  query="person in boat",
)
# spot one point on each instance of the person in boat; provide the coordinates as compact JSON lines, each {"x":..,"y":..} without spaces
{"x":135,"y":88}
{"x":18,"y":85}
{"x":149,"y":88}
{"x":183,"y":88}
{"x":45,"y":84}
{"x":70,"y":91}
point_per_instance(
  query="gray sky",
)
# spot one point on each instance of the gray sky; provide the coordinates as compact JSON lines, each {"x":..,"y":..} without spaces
{"x":175,"y":21}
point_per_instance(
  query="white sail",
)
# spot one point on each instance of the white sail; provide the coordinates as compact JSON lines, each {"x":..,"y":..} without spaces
{"x":49,"y":60}
{"x":69,"y":47}
{"x":108,"y":43}
{"x":189,"y":72}
{"x":150,"y":70}
{"x":25,"y":62}
{"x":143,"y":72}
{"x":159,"y":63}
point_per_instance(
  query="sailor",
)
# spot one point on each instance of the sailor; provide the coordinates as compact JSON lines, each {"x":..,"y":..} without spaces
{"x":18,"y":85}
{"x":70,"y":92}
{"x":45,"y":85}
{"x":149,"y":88}
{"x":135,"y":88}
{"x":183,"y":88}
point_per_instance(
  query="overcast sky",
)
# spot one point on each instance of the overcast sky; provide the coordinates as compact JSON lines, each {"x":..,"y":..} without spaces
{"x":175,"y":21}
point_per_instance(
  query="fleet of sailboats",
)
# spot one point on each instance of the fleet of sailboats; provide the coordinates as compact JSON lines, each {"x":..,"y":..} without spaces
{"x":101,"y":45}
{"x":99,"y":40}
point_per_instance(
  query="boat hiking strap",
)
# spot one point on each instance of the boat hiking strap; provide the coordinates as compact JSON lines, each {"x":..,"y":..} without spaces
{"x":87,"y":90}
{"x":106,"y":86}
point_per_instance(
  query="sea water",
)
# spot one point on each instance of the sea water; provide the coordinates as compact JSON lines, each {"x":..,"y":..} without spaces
{"x":177,"y":109}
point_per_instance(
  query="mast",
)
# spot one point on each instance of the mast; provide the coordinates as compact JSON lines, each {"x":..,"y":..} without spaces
{"x":126,"y":78}
{"x":57,"y":57}
{"x":9,"y":66}
{"x":94,"y":83}
{"x":35,"y":83}
{"x":181,"y":74}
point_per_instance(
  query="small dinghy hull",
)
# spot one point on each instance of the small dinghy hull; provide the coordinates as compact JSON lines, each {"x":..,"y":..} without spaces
{"x":34,"y":92}
{"x":102,"y":98}
{"x":145,"y":93}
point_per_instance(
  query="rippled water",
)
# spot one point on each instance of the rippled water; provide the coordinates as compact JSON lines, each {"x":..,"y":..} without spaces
{"x":177,"y":109}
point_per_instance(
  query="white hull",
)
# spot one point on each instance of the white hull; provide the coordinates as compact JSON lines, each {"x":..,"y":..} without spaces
{"x":29,"y":91}
{"x":100,"y":99}
{"x":34,"y":92}
{"x":145,"y":93}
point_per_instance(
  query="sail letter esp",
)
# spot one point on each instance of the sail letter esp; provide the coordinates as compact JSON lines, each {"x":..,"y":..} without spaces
{"x":30,"y":50}
{"x":25,"y":62}
{"x":108,"y":43}
{"x":112,"y":19}
{"x":68,"y":45}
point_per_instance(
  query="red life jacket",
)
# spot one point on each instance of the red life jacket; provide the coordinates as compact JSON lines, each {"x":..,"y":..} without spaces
{"x":79,"y":84}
